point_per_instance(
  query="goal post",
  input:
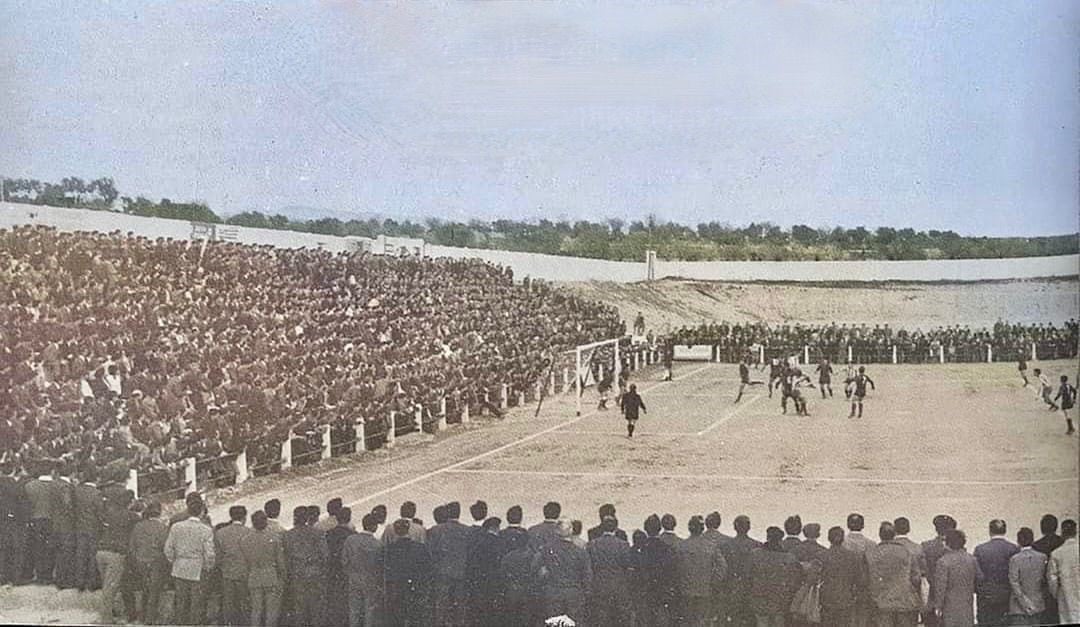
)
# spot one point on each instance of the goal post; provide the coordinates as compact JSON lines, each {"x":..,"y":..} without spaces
{"x":593,"y":363}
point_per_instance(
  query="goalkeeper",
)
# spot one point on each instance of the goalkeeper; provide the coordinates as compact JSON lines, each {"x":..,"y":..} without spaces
{"x":631,"y":403}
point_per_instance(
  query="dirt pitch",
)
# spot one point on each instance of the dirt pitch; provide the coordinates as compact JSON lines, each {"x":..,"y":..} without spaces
{"x":966,"y":440}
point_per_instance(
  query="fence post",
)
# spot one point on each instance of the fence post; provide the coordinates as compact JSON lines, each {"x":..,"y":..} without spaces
{"x":1034,"y":354}
{"x":133,"y":482}
{"x":539,"y":391}
{"x":989,"y":353}
{"x":565,"y":378}
{"x":849,"y":353}
{"x":761,"y":353}
{"x":190,"y":482}
{"x":390,"y":435}
{"x":418,"y":419}
{"x":465,"y":412}
{"x":521,"y":398}
{"x":359,"y":433}
{"x":441,"y":423}
{"x":241,"y":467}
{"x":941,"y":353}
{"x":806,"y":355}
{"x":286,"y":452}
{"x":637,"y":360}
{"x":601,"y":371}
{"x":325,"y":430}
{"x":894,"y":354}
{"x":503,"y":393}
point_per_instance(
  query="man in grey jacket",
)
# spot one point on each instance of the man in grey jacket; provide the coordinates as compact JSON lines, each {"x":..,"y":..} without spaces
{"x":1027,"y":578}
{"x":893,"y":579}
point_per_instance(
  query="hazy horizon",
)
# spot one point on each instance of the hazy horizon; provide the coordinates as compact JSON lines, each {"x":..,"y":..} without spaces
{"x":957,"y":116}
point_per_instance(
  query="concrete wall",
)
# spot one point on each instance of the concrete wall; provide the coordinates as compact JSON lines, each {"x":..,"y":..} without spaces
{"x":558,"y":268}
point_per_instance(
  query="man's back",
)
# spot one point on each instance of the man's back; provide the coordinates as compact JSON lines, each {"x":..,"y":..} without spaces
{"x":305,"y":553}
{"x":1027,"y":578}
{"x":839,"y":577}
{"x":230,"y":556}
{"x":449,"y":546}
{"x":993,"y":558}
{"x":658,"y":572}
{"x":611,"y":559}
{"x":857,"y":543}
{"x":700,"y":565}
{"x":567,"y":566}
{"x":362,"y":559}
{"x":543,"y":533}
{"x":892,"y":577}
{"x":264,"y":558}
{"x":148,"y":541}
{"x":190,"y":548}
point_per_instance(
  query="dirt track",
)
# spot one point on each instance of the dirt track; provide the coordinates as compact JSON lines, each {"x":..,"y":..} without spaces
{"x":672,"y":303}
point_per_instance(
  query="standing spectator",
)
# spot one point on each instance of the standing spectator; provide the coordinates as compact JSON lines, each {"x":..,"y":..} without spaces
{"x":992,"y":595}
{"x":228,"y":549}
{"x":516,"y":573}
{"x":566,"y":576}
{"x":333,"y":506}
{"x":774,"y":578}
{"x":89,"y":508}
{"x":14,"y":518}
{"x":611,"y":560}
{"x":1063,"y":575}
{"x":903,"y":528}
{"x":955,"y":578}
{"x":449,"y":545}
{"x":667,"y":530}
{"x":337,"y":581}
{"x":41,"y":493}
{"x":606,"y":510}
{"x":1047,"y":544}
{"x":63,"y":531}
{"x":719,"y":594}
{"x":933,"y":550}
{"x":701,"y":568}
{"x":657,"y":574}
{"x":147,"y":557}
{"x":1027,"y":580}
{"x":840,"y":581}
{"x":792,"y":529}
{"x":264,"y":561}
{"x":305,"y":552}
{"x":479,"y":513}
{"x":362,"y":561}
{"x":272,"y":509}
{"x":408,"y":571}
{"x":738,"y":556}
{"x":513,"y":526}
{"x":112,"y":547}
{"x":893,"y":580}
{"x":482,"y":575}
{"x":416,"y":526}
{"x":548,"y":530}
{"x":856,"y":542}
{"x":189,"y":548}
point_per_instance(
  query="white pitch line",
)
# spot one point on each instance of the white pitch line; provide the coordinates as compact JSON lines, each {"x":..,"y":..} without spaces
{"x":504,"y":447}
{"x":672,"y":434}
{"x":731,"y":414}
{"x":628,"y":475}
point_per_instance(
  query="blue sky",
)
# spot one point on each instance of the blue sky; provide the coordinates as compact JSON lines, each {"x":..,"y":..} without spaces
{"x":947,"y":115}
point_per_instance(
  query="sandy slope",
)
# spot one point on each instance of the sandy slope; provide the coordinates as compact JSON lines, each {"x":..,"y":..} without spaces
{"x":672,"y":302}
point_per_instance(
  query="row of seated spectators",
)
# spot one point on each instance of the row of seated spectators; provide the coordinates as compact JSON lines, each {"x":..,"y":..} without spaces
{"x":1009,"y":342}
{"x":120,"y":351}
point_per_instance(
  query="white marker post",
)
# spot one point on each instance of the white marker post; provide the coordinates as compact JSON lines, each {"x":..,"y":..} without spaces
{"x":241,"y":467}
{"x":390,"y":435}
{"x":326,"y":450}
{"x":132,"y":482}
{"x":190,"y":482}
{"x":286,"y":452}
{"x":359,"y":433}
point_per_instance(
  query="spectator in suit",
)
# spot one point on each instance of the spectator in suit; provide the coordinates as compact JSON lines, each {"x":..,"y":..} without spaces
{"x":1063,"y":575}
{"x":565,"y":576}
{"x":955,"y":578}
{"x":1027,"y":580}
{"x":792,"y":529}
{"x":479,"y":513}
{"x":658,"y":575}
{"x":14,"y":520}
{"x":992,"y":595}
{"x":841,"y":577}
{"x":337,"y":581}
{"x":449,"y":544}
{"x":903,"y":528}
{"x":713,"y":534}
{"x":737,"y":554}
{"x":483,"y":582}
{"x":408,"y":572}
{"x":333,"y":506}
{"x":606,"y":510}
{"x":89,"y":508}
{"x":516,"y":573}
{"x":416,"y":526}
{"x":809,"y":549}
{"x":147,"y":556}
{"x":701,"y":568}
{"x":667,"y":530}
{"x":1047,"y":544}
{"x":228,"y":542}
{"x":513,"y":526}
{"x":774,"y":578}
{"x":362,"y":560}
{"x":548,"y":530}
{"x":189,"y":548}
{"x":893,"y":580}
{"x":611,"y":560}
{"x":933,"y":549}
{"x":306,"y":555}
{"x":272,"y":509}
{"x":264,"y":562}
{"x":855,"y":541}
{"x":63,"y":531}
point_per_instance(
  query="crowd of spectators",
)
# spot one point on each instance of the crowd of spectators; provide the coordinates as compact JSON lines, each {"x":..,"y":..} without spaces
{"x":367,"y":570}
{"x":119,"y":351}
{"x":874,"y":344}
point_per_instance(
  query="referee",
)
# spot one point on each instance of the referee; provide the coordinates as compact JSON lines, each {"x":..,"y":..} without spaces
{"x":630,"y":404}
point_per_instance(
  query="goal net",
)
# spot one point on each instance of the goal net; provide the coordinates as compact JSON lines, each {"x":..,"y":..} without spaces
{"x":595,"y":364}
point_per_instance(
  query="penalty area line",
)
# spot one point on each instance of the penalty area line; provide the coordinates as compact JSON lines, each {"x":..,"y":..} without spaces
{"x":475,"y":458}
{"x":728,"y":416}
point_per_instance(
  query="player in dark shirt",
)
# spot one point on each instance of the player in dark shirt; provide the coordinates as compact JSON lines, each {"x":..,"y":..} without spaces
{"x":858,"y":390}
{"x":824,"y":370}
{"x":776,"y":374}
{"x":1067,"y":395}
{"x":744,"y":377}
{"x":630,"y":404}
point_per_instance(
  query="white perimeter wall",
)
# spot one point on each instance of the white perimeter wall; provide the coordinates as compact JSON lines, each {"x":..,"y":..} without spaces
{"x":558,"y":268}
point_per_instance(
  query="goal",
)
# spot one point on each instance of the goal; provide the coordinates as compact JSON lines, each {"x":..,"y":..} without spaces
{"x":595,"y":362}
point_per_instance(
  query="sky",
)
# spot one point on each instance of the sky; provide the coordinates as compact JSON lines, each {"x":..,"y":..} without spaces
{"x":939,"y":115}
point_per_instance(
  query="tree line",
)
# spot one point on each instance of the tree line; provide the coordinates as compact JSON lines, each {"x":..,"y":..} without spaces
{"x":613,"y":239}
